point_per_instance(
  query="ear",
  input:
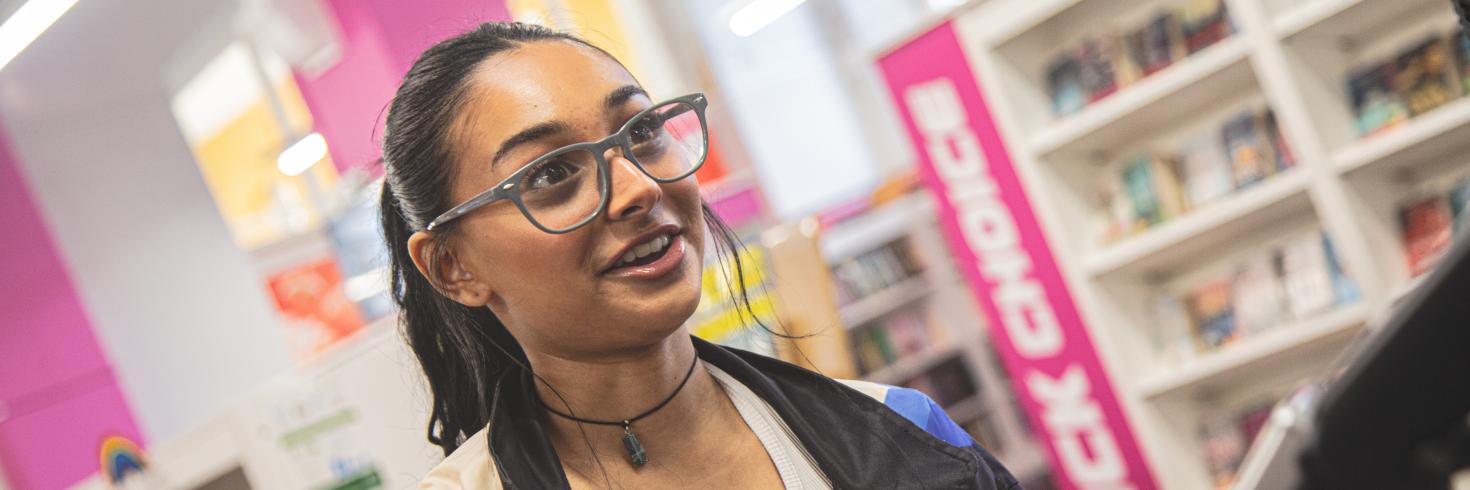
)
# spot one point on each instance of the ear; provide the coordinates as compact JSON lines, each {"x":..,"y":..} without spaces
{"x":447,"y":273}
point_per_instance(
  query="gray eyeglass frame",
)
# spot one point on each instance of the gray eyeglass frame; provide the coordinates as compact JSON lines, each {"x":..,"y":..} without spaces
{"x":507,"y":189}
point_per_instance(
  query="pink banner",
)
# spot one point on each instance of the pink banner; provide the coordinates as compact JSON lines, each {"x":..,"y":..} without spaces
{"x":999,"y":245}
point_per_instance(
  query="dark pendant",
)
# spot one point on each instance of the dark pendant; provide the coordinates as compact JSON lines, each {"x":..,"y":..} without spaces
{"x":636,"y":454}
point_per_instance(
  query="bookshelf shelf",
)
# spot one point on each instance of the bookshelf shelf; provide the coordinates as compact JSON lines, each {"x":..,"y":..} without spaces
{"x":1434,"y":135}
{"x":888,"y":300}
{"x":1310,"y":14}
{"x":1347,"y":19}
{"x":1205,"y":228}
{"x":1402,"y":293}
{"x":1150,"y":104}
{"x":913,"y":365}
{"x":966,"y":410}
{"x":1252,"y":357}
{"x":877,"y":226}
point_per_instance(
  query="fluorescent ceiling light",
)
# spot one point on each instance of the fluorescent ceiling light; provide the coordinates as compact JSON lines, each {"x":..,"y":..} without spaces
{"x":27,"y":24}
{"x":302,"y":154}
{"x":758,"y":14}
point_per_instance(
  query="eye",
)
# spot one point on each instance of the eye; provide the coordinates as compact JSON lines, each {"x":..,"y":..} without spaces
{"x":646,"y":129}
{"x":551,"y":173}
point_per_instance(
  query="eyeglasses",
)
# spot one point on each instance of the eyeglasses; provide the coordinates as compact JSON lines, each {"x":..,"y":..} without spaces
{"x":565,"y":189}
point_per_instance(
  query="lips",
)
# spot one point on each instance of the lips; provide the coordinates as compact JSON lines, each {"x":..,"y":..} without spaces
{"x":648,"y":246}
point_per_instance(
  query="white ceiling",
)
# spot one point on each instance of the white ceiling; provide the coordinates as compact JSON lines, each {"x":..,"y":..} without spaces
{"x":104,"y":52}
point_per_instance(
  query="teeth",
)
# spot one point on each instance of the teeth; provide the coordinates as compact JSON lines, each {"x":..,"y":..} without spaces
{"x":645,"y":249}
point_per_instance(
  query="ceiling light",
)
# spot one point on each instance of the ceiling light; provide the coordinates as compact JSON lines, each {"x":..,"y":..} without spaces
{"x":27,"y":24}
{"x":758,"y":14}
{"x":302,"y":154}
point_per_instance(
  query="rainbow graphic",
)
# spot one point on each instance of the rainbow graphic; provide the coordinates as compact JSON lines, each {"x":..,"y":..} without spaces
{"x":121,"y":457}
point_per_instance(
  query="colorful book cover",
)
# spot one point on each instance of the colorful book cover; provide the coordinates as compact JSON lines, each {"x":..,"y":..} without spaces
{"x":1249,"y":149}
{"x":1258,"y":296}
{"x":1138,"y":184}
{"x":1282,"y":152}
{"x":1343,"y":286}
{"x":1155,"y":45}
{"x":1424,"y":76}
{"x":1427,"y":231}
{"x":1206,"y":171}
{"x":1254,"y":419}
{"x":1203,"y":23}
{"x":1213,"y":315}
{"x":1459,"y":200}
{"x":885,"y":345}
{"x":1064,"y":83}
{"x":1376,"y":105}
{"x":1169,"y":186}
{"x":1462,"y":61}
{"x":1224,"y":448}
{"x":1306,"y":276}
{"x":1100,"y":58}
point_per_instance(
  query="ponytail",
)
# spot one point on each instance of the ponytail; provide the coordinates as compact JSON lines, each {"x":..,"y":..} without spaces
{"x":461,"y":349}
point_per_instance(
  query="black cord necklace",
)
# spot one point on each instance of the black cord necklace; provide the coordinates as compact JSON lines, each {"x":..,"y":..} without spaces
{"x":636,"y":454}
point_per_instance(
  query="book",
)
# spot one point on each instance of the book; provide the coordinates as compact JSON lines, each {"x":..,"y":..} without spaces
{"x":1424,"y":76}
{"x":1064,"y":84}
{"x":1306,"y":276}
{"x":1156,"y":44}
{"x":1459,"y":200}
{"x":1102,"y":69}
{"x":1171,"y":336}
{"x":1203,"y":23}
{"x":1205,"y":170}
{"x":1117,"y":214}
{"x":1212,"y":314}
{"x":1224,"y":446}
{"x":1376,"y":104}
{"x":1462,"y":61}
{"x":1250,"y":151}
{"x":1427,"y":229}
{"x":1138,"y":186}
{"x":1343,"y":286}
{"x":1281,"y":151}
{"x":1257,"y":295}
{"x":1169,"y":186}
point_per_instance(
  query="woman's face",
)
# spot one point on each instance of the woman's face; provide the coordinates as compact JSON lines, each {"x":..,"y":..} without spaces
{"x":570,"y":295}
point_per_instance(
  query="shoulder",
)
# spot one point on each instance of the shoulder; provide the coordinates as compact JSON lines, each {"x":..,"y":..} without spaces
{"x":917,"y":408}
{"x":467,"y":468}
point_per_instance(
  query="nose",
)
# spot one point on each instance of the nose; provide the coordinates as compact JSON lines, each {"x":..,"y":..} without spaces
{"x":634,"y":193}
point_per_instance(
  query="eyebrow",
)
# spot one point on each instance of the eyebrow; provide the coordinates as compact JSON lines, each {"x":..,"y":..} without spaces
{"x":528,"y":135}
{"x":621,"y":95}
{"x":550,"y":128}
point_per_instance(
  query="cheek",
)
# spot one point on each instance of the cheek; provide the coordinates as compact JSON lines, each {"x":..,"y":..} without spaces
{"x":522,"y":264}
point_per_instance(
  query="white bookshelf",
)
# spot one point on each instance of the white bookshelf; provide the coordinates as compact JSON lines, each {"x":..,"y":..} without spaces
{"x":1294,"y":56}
{"x":938,"y":293}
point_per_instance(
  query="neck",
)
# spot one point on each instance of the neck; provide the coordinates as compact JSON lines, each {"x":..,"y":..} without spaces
{"x":622,"y":388}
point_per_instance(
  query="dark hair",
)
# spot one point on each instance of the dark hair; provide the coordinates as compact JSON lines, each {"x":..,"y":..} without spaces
{"x":462,"y":350}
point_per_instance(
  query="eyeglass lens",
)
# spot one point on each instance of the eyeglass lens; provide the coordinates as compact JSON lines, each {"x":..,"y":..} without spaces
{"x":563,"y":188}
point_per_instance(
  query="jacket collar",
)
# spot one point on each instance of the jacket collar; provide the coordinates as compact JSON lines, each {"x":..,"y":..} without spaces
{"x":855,"y":440}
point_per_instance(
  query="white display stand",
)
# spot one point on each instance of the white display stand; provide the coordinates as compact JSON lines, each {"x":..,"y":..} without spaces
{"x":1293,"y":55}
{"x":362,"y":402}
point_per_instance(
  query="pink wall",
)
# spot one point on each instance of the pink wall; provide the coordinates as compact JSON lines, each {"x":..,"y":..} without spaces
{"x":380,"y":40}
{"x":58,"y":397}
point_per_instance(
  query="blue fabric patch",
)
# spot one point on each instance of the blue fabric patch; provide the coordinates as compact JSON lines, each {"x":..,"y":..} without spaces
{"x":923,"y":412}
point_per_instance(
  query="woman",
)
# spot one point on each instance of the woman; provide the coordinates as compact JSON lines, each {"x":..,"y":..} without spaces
{"x":547,"y":243}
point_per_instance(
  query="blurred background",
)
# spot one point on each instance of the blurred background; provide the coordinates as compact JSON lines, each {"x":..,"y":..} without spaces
{"x":1111,"y":237}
